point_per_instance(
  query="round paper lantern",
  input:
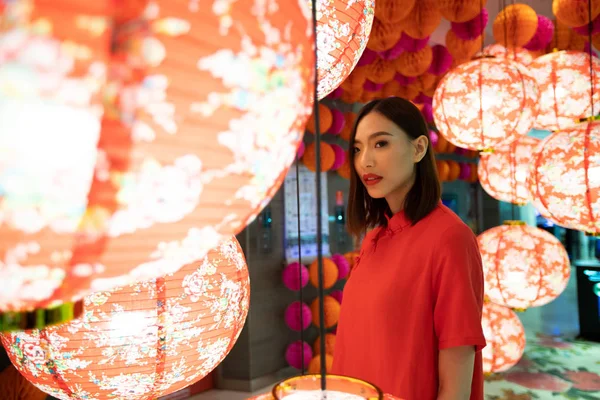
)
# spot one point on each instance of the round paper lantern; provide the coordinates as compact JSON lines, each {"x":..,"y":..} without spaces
{"x":504,"y":173}
{"x":342,"y":265}
{"x":523,"y":266}
{"x":543,"y":34}
{"x":340,"y":156}
{"x":338,"y":294}
{"x":517,"y":54}
{"x":143,"y":341}
{"x":515,"y":25}
{"x":383,"y":36}
{"x":343,"y":29}
{"x":332,"y":312}
{"x":422,"y":20}
{"x":315,"y":365}
{"x":298,"y":316}
{"x":462,"y":49}
{"x":330,"y":273}
{"x":505,"y":338}
{"x":329,"y":344}
{"x":414,"y":63}
{"x":310,"y":157}
{"x":295,"y":276}
{"x":295,"y":352}
{"x":562,"y":180}
{"x":575,"y":12}
{"x":325,"y":120}
{"x":473,"y":28}
{"x":337,"y":122}
{"x":472,"y":113}
{"x":460,"y":10}
{"x":564,"y":82}
{"x":392,"y":11}
{"x":134,"y":198}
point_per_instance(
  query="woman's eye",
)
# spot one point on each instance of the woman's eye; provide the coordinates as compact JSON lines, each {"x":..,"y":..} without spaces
{"x":381,"y":143}
{"x":355,"y":150}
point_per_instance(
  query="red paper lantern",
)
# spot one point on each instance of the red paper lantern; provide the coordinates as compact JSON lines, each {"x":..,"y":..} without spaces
{"x":504,"y":173}
{"x":343,"y":29}
{"x":505,"y":337}
{"x":145,"y":340}
{"x":523,"y":266}
{"x":485,"y":102}
{"x":564,"y":79}
{"x":564,"y":184}
{"x":197,"y":136}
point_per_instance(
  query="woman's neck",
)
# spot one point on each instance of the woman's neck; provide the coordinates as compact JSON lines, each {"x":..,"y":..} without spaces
{"x":397,"y":198}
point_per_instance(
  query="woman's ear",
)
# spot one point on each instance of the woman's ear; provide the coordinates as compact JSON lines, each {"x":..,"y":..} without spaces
{"x":421,"y":143}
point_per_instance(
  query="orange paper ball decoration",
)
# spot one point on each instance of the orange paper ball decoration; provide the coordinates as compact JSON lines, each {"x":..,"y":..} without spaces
{"x":393,"y":11}
{"x":332,"y":312}
{"x":344,"y":170}
{"x":563,"y":79}
{"x":561,"y":38}
{"x":504,"y":173}
{"x":329,"y":344}
{"x":462,"y":49}
{"x":309,"y":158}
{"x":383,"y":36}
{"x":505,"y":338}
{"x":343,"y":29}
{"x":314,"y":366}
{"x":142,"y":341}
{"x":414,"y":63}
{"x":443,"y":170}
{"x":515,"y":25}
{"x":453,"y":170}
{"x":474,"y":177}
{"x":134,"y":198}
{"x":325,"y":120}
{"x":381,"y":71}
{"x":523,"y":266}
{"x":368,"y":96}
{"x":394,"y":88}
{"x":350,"y":119}
{"x":471,"y":112}
{"x":356,"y":79}
{"x":562,"y":182}
{"x":460,"y":10}
{"x":424,"y":82}
{"x":351,"y":97}
{"x":577,"y":42}
{"x":423,"y":19}
{"x":330,"y":273}
{"x":575,"y":12}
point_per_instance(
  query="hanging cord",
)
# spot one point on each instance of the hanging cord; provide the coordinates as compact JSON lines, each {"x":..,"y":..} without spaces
{"x":302,"y":361}
{"x":591,"y":58}
{"x":586,"y":143}
{"x":481,"y":22}
{"x":505,"y":33}
{"x":480,"y":82}
{"x":322,"y":330}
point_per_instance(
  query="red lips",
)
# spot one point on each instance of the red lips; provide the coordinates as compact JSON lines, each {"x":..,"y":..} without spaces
{"x":371,"y":179}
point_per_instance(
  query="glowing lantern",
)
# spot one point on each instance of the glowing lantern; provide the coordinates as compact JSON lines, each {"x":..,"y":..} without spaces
{"x":343,"y":29}
{"x":505,"y":337}
{"x":518,"y":54}
{"x":142,"y":341}
{"x":189,"y":150}
{"x":564,"y":78}
{"x":485,"y":102}
{"x":523,"y":266}
{"x":504,"y":173}
{"x":565,"y":180}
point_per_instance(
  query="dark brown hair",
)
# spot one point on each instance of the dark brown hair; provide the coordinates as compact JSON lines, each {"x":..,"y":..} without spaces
{"x":365,"y":212}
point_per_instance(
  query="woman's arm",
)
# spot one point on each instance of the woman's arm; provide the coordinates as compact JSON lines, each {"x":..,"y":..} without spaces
{"x":455,"y":369}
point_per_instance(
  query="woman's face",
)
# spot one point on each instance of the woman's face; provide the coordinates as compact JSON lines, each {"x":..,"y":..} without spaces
{"x":385,"y":158}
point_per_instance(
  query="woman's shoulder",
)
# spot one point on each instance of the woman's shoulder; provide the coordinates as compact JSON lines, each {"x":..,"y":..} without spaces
{"x":443,"y":223}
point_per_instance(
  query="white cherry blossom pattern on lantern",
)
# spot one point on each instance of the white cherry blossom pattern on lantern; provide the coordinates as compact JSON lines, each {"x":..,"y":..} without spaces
{"x":143,"y":341}
{"x":343,"y":30}
{"x":523,"y":266}
{"x":505,"y":338}
{"x":565,"y":177}
{"x":565,"y":86}
{"x":484,"y":103}
{"x":196,"y":137}
{"x":504,"y":173}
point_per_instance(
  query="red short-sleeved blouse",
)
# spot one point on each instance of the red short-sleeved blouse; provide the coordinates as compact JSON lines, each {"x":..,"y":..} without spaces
{"x":413,"y":291}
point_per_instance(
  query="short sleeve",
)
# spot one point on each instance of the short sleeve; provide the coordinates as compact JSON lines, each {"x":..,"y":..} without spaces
{"x":457,"y":284}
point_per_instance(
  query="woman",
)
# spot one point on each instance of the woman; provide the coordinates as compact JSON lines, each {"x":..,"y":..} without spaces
{"x":410,"y":322}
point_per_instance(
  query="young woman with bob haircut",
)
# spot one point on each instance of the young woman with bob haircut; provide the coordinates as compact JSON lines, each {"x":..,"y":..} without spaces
{"x":410,"y":321}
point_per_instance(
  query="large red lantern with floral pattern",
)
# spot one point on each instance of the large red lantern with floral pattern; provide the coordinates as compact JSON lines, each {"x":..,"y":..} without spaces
{"x":204,"y":108}
{"x":505,"y":338}
{"x":523,"y":266}
{"x":145,"y":340}
{"x":486,"y":102}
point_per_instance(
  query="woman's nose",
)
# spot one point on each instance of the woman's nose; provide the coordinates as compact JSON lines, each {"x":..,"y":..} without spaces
{"x":366,"y":159}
